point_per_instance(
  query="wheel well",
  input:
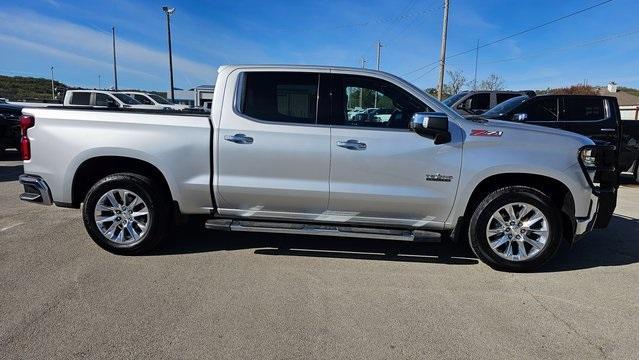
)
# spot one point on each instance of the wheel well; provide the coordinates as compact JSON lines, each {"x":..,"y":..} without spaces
{"x":94,"y":169}
{"x":554,"y":189}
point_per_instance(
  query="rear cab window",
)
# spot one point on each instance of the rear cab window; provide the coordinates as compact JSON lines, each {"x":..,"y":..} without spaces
{"x":81,"y":98}
{"x":283,"y":97}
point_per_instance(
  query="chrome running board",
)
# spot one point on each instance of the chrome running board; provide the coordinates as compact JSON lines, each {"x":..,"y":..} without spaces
{"x":322,"y":230}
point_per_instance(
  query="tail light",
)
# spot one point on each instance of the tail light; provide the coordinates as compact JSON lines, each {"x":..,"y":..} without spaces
{"x":26,"y":122}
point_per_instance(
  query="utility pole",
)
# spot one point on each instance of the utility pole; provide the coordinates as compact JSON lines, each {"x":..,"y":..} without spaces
{"x":379,"y":54}
{"x":99,"y":82}
{"x":52,"y":85}
{"x":361,"y":90}
{"x":115,"y":66}
{"x":476,"y":58}
{"x":169,"y":11}
{"x":442,"y":52}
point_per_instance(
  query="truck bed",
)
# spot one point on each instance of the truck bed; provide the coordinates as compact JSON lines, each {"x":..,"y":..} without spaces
{"x":177,"y":144}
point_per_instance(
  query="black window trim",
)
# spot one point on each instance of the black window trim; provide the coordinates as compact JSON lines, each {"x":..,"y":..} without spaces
{"x":239,"y":97}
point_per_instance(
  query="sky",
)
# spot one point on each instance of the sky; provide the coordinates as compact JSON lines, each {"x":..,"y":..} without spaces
{"x":74,"y":36}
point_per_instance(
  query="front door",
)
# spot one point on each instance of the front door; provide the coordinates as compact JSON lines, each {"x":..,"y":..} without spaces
{"x":381,"y":172}
{"x":273,"y":157}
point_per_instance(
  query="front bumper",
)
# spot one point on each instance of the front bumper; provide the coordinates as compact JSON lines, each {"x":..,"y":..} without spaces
{"x":36,"y":190}
{"x":604,"y":192}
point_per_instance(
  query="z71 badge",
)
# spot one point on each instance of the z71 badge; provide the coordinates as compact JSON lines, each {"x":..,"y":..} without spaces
{"x":486,"y":133}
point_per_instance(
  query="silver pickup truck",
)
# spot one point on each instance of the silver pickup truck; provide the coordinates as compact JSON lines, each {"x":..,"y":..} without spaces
{"x":279,"y":153}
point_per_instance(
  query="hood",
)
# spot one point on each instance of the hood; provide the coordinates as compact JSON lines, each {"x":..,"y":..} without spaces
{"x":533,"y":130}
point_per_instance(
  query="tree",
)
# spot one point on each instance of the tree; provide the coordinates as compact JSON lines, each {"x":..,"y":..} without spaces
{"x":580,"y":89}
{"x":431,"y":91}
{"x":492,"y":82}
{"x":456,"y":82}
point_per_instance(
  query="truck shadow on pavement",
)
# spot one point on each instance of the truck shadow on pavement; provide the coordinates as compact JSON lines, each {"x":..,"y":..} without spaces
{"x":199,"y":240}
{"x":615,"y":246}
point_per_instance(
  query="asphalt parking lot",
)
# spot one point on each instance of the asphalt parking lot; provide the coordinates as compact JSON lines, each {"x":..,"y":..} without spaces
{"x":252,"y":296}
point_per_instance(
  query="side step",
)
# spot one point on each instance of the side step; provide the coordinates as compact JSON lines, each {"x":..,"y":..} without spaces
{"x":323,"y":230}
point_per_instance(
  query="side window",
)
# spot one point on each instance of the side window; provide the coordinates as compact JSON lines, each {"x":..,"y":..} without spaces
{"x":501,"y":97}
{"x":583,"y":109}
{"x":143,"y":99}
{"x":371,"y":102}
{"x":540,"y":109}
{"x":101,"y":99}
{"x":81,"y":98}
{"x":476,"y":102}
{"x":289,"y":97}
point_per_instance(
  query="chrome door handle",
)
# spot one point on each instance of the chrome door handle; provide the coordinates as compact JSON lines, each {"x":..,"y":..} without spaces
{"x":239,"y":139}
{"x":352,"y":144}
{"x":608,"y":130}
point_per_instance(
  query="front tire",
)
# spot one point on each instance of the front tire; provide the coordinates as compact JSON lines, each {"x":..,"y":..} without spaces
{"x":515,"y":228}
{"x":126,"y":213}
{"x":635,"y":173}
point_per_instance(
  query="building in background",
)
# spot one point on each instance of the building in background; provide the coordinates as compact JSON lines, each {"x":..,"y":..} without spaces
{"x":199,"y":96}
{"x":628,"y":103}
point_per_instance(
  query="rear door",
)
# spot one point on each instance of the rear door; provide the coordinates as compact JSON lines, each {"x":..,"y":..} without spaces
{"x":382,"y":173}
{"x":590,"y":116}
{"x":273,"y":156}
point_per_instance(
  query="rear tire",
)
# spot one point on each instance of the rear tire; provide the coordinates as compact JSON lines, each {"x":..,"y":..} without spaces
{"x":127,"y":213}
{"x":635,"y":172}
{"x":515,"y":228}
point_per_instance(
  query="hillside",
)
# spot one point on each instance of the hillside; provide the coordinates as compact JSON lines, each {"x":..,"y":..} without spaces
{"x":28,"y":88}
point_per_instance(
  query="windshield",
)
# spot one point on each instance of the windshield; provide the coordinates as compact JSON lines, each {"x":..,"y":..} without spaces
{"x":126,"y":99}
{"x":159,"y":99}
{"x":505,"y":107}
{"x":449,"y":101}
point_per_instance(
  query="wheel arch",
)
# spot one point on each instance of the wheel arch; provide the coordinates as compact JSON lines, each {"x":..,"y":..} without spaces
{"x":95,"y":168}
{"x":556,"y":190}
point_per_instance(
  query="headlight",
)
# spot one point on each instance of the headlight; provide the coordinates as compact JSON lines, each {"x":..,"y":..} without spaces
{"x":588,"y":158}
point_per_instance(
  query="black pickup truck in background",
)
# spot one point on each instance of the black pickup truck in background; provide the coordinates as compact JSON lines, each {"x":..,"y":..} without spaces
{"x":9,"y":127}
{"x":597,"y":117}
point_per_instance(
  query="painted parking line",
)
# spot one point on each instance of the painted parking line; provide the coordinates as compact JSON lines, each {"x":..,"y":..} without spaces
{"x":10,"y":227}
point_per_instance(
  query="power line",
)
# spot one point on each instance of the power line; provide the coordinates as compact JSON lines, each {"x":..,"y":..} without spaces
{"x":545,"y":51}
{"x":514,"y":35}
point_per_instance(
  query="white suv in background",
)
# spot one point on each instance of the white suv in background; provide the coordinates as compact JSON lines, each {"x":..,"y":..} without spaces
{"x":107,"y":99}
{"x":154,"y":99}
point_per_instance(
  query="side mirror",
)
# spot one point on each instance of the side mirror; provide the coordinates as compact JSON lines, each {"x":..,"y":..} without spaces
{"x":433,"y":125}
{"x":520,"y":117}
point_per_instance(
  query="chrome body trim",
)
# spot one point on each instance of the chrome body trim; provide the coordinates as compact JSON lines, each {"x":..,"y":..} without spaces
{"x":43,"y":195}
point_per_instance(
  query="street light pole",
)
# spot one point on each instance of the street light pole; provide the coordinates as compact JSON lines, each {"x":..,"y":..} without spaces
{"x":52,"y":85}
{"x":361,"y":90}
{"x":442,"y":52}
{"x":476,"y":58}
{"x":99,"y":82}
{"x":379,"y":55}
{"x":115,"y":67}
{"x":169,"y":11}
